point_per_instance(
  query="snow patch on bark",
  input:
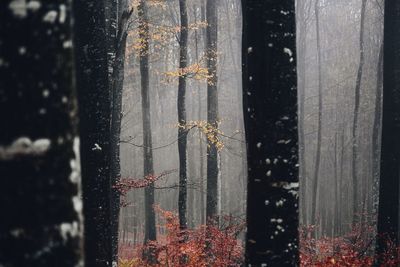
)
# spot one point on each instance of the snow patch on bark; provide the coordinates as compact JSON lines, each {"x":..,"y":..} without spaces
{"x":75,"y":177}
{"x":24,"y":146}
{"x":20,"y":7}
{"x":68,"y":230}
{"x":50,"y":16}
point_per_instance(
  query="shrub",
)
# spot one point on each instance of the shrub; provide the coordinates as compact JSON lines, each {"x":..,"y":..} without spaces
{"x":202,"y":246}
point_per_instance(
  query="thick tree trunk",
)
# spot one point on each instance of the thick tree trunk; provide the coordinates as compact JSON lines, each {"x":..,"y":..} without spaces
{"x":148,"y":169}
{"x":388,"y":215}
{"x":95,"y":113}
{"x":357,"y":95}
{"x":270,"y":107}
{"x":111,"y":18}
{"x":41,"y":222}
{"x":319,"y":120}
{"x":117,"y":86}
{"x":181,"y":105}
{"x":212,"y":108}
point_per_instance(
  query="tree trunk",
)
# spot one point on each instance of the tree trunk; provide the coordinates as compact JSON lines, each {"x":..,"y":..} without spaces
{"x":356,"y":198}
{"x":111,"y":18}
{"x":301,"y":71}
{"x":270,"y":108}
{"x":319,"y":120}
{"x":117,"y":86}
{"x":388,"y":215}
{"x":200,"y":111}
{"x":94,"y":111}
{"x":212,"y":109}
{"x":376,"y":133}
{"x":40,"y":200}
{"x":181,"y":105}
{"x":148,"y":169}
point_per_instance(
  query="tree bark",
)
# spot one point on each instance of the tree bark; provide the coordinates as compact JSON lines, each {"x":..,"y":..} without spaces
{"x":117,"y":86}
{"x":301,"y":71}
{"x":212,"y":109}
{"x":270,"y":108}
{"x":388,"y":214}
{"x":319,"y":120}
{"x":111,"y":18}
{"x":181,"y":105}
{"x":148,"y":169}
{"x":357,"y":95}
{"x":94,"y":113}
{"x":376,"y":132}
{"x":40,"y":200}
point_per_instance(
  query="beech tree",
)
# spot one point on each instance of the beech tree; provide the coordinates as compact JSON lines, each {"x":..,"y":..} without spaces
{"x":148,"y":168}
{"x":116,"y":91}
{"x":94,"y":114}
{"x":388,"y":213}
{"x":212,"y":109}
{"x":181,"y":103}
{"x":39,"y":145}
{"x":270,"y":105}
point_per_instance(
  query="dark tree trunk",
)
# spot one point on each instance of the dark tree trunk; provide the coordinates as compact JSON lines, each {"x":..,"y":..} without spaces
{"x":270,"y":106}
{"x":94,"y":111}
{"x":182,"y":131}
{"x":150,"y":218}
{"x":117,"y":86}
{"x":212,"y":108}
{"x":319,"y":120}
{"x":356,"y":199}
{"x":111,"y":20}
{"x":41,"y":222}
{"x":388,"y":214}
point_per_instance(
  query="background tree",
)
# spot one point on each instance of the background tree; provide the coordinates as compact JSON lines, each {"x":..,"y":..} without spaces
{"x":337,"y":61}
{"x":150,"y":222}
{"x":39,"y":146}
{"x":116,"y":91}
{"x":182,"y":129}
{"x":164,"y":30}
{"x":317,"y":163}
{"x":212,"y":108}
{"x":357,"y":93}
{"x":270,"y":98}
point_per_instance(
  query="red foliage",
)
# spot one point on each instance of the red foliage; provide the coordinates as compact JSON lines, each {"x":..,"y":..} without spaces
{"x":127,"y":184}
{"x":202,"y":246}
{"x":356,"y":249}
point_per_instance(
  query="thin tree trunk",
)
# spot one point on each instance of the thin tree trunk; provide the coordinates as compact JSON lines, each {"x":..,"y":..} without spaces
{"x":181,"y":105}
{"x":148,"y":169}
{"x":41,"y":223}
{"x":356,"y":198}
{"x":202,"y":175}
{"x":212,"y":109}
{"x":319,"y":121}
{"x":270,"y":109}
{"x":376,"y":133}
{"x":337,"y":189}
